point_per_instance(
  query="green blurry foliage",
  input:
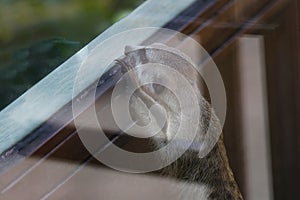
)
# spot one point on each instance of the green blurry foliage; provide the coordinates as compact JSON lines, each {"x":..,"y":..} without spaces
{"x":30,"y":64}
{"x":37,"y":36}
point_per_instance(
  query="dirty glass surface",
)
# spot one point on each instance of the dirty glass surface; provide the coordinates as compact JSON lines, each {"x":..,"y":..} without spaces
{"x":254,"y":44}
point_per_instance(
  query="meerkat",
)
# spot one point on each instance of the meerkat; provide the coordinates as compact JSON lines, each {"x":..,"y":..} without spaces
{"x":207,"y":177}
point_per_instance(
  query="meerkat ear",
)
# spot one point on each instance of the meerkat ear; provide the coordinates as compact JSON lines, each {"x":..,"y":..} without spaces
{"x":130,"y":48}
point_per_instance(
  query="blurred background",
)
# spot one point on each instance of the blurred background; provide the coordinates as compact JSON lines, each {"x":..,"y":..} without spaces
{"x":37,"y":36}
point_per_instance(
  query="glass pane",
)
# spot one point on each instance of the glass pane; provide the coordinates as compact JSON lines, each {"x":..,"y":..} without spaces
{"x":255,"y":46}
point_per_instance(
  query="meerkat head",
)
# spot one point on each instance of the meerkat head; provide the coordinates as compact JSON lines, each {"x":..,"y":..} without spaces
{"x":167,"y":85}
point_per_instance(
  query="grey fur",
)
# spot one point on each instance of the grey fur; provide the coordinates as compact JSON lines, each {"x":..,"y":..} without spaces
{"x":205,"y":167}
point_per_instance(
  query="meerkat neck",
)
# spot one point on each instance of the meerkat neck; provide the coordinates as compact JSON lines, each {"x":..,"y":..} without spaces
{"x":212,"y":171}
